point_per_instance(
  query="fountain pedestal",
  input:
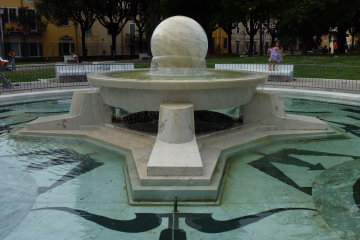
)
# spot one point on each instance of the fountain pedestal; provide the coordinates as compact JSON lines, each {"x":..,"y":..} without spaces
{"x":175,"y":152}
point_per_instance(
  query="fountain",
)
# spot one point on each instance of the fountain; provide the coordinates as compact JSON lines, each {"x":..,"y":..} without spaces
{"x":177,"y":162}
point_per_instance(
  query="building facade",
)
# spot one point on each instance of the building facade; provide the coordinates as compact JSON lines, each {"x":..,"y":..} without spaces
{"x":32,"y":36}
{"x":98,"y":41}
{"x":240,"y":41}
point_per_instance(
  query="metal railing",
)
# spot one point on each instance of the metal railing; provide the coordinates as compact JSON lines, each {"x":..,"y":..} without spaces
{"x":305,"y":76}
{"x":35,"y":77}
{"x":299,"y":76}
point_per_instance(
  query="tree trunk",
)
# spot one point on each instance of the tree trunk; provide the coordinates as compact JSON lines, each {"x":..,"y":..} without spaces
{"x":304,"y":47}
{"x":341,"y":38}
{"x":83,"y":42}
{"x":113,"y":45}
{"x":229,"y":41}
{"x":141,"y":41}
{"x":154,"y":9}
{"x":273,"y":36}
{"x":210,"y":43}
{"x":261,"y":50}
{"x":251,"y":44}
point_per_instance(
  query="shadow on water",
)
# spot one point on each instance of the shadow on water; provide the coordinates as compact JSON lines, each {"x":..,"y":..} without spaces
{"x":60,"y":157}
{"x":356,"y":193}
{"x":286,"y":156}
{"x":202,"y":222}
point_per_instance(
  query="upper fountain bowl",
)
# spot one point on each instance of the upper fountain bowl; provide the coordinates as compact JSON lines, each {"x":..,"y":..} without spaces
{"x":179,"y":46}
{"x":178,"y":74}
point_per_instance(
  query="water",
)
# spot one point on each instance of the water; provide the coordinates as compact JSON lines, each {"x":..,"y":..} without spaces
{"x":200,"y":75}
{"x":294,"y":190}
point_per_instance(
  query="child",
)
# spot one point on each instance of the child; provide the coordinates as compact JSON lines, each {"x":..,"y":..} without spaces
{"x":12,"y":59}
{"x":276,"y":55}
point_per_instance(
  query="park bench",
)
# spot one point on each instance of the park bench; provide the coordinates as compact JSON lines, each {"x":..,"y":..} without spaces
{"x":69,"y":59}
{"x":282,"y":73}
{"x":77,"y":72}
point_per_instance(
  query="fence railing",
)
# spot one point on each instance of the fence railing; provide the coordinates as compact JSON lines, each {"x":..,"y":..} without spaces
{"x":28,"y":78}
{"x":305,"y":76}
{"x":320,"y":77}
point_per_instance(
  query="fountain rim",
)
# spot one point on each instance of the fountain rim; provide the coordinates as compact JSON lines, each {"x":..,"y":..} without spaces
{"x":100,"y":79}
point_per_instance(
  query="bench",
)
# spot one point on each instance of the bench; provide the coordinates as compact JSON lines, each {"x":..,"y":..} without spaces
{"x":282,"y":73}
{"x":144,"y":56}
{"x":77,"y":72}
{"x":69,"y":59}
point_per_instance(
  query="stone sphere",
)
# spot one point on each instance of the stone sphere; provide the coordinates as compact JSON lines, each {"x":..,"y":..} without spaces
{"x":179,"y":36}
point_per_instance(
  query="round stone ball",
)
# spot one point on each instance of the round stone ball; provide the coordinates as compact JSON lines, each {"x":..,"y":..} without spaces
{"x":179,"y":36}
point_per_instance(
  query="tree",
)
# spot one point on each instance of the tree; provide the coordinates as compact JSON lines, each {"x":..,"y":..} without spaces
{"x":343,"y":14}
{"x":80,"y":12}
{"x":154,"y":19}
{"x":113,"y":15}
{"x":253,"y":14}
{"x":205,"y":12}
{"x":273,"y":16}
{"x":304,"y":20}
{"x":228,"y":19}
{"x":141,"y":18}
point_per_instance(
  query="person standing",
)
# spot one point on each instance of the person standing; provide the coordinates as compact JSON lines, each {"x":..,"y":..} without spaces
{"x":335,"y":48}
{"x":276,"y":55}
{"x":12,"y":59}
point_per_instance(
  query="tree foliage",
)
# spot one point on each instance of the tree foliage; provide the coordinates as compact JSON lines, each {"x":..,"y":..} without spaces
{"x":141,"y":18}
{"x":205,"y":12}
{"x":113,"y":15}
{"x":80,"y":12}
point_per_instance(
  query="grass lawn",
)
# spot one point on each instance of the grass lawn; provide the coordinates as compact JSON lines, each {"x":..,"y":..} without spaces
{"x":343,"y":67}
{"x":30,"y":75}
{"x":344,"y":60}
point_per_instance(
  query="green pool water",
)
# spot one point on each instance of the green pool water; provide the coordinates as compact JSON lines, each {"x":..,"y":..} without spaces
{"x":69,"y":189}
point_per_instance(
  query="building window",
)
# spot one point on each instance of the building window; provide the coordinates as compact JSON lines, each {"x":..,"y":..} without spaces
{"x":13,"y":15}
{"x":89,"y":31}
{"x":225,"y":43}
{"x":34,"y":49}
{"x":65,"y":48}
{"x":132,"y":29}
{"x":237,"y":29}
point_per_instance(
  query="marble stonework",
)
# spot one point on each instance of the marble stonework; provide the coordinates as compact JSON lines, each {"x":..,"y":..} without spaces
{"x":179,"y":42}
{"x":177,"y":163}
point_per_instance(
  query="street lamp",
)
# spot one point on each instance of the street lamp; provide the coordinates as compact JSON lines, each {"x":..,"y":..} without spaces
{"x":1,"y":30}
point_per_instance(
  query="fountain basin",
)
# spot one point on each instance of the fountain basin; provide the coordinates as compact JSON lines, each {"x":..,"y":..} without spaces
{"x":136,"y":90}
